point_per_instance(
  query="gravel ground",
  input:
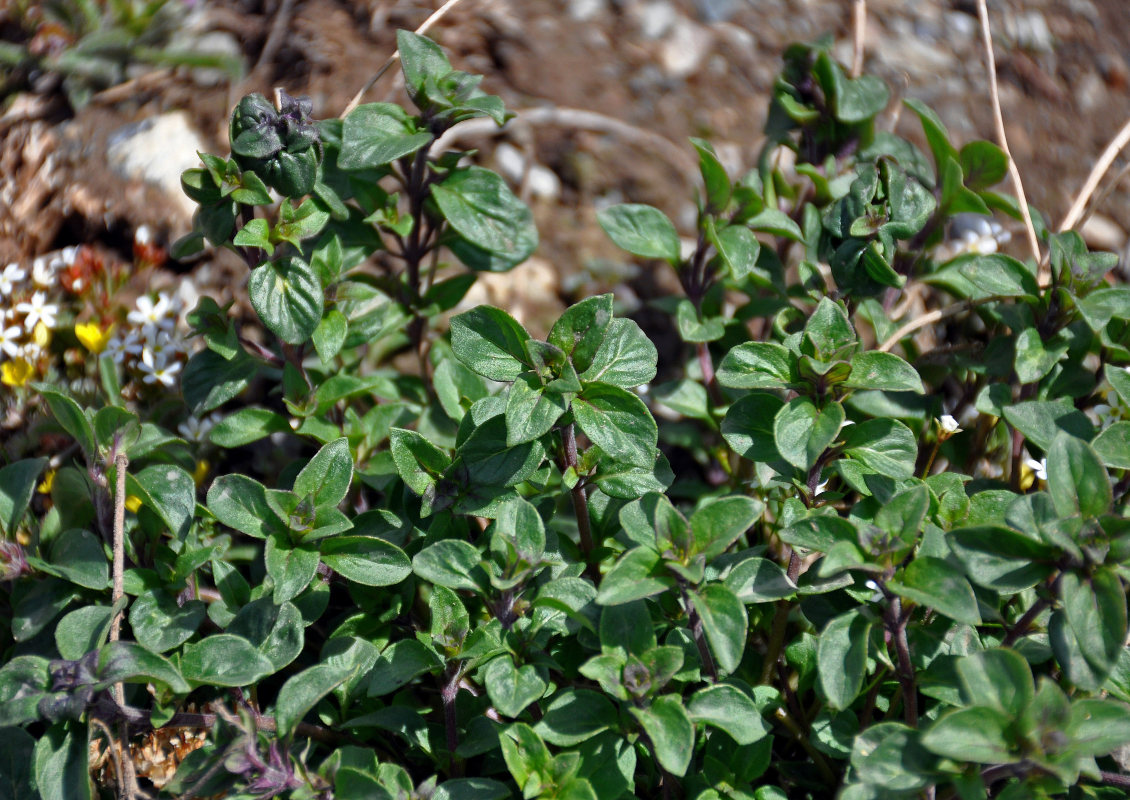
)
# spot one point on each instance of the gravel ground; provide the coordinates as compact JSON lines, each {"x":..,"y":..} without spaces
{"x":667,"y":68}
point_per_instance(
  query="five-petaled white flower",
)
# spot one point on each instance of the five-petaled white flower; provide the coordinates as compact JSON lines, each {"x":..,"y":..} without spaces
{"x":9,"y":341}
{"x":43,"y":272}
{"x":1039,"y":467}
{"x":38,"y":310}
{"x":150,"y":313}
{"x":1104,"y":415}
{"x":195,"y":429}
{"x":158,"y":369}
{"x":11,"y":276}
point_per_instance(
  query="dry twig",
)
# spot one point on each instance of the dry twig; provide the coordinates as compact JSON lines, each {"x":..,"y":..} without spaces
{"x":1075,"y":213}
{"x":1002,"y":139}
{"x":580,"y":119}
{"x":859,"y":33}
{"x":429,"y":22}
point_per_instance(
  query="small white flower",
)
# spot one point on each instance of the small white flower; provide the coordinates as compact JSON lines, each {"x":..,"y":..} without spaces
{"x":9,"y":341}
{"x":1103,"y":415}
{"x":38,"y":310}
{"x":143,"y":235}
{"x":196,"y":429}
{"x":10,"y":277}
{"x":949,"y":425}
{"x":42,"y":273}
{"x":159,"y":369}
{"x":150,"y":313}
{"x":69,"y":254}
{"x":1039,"y":467}
{"x":876,"y":592}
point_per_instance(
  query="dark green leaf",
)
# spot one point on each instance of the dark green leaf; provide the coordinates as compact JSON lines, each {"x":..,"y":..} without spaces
{"x":399,"y":664}
{"x":874,"y":370}
{"x":575,"y":715}
{"x":617,"y":422}
{"x":304,"y":689}
{"x":366,"y":560}
{"x":579,"y":332}
{"x":17,"y":765}
{"x":998,"y":678}
{"x":418,"y":461}
{"x":802,"y":432}
{"x":160,"y":624}
{"x":511,"y":688}
{"x":77,"y":555}
{"x":625,"y":358}
{"x":728,"y":708}
{"x":170,"y":491}
{"x":375,"y":134}
{"x":247,"y":425}
{"x":886,"y":446}
{"x":725,"y":622}
{"x":757,"y":365}
{"x":224,"y":660}
{"x":490,"y":342}
{"x":131,"y":663}
{"x":670,"y":732}
{"x":978,"y":734}
{"x":531,"y":411}
{"x":842,"y":658}
{"x":327,"y":476}
{"x":718,"y":524}
{"x":290,"y":566}
{"x":748,"y":426}
{"x":641,"y":230}
{"x":635,"y":575}
{"x":479,"y":205}
{"x":935,"y":583}
{"x":983,"y":164}
{"x":81,"y":631}
{"x":449,"y":563}
{"x":61,"y":756}
{"x":17,"y":486}
{"x":241,"y":503}
{"x":759,"y":580}
{"x":1077,"y":480}
{"x":288,"y":297}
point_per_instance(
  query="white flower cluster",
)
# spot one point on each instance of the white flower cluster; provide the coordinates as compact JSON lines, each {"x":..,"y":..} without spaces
{"x":27,"y":314}
{"x":974,"y":233}
{"x":151,"y":347}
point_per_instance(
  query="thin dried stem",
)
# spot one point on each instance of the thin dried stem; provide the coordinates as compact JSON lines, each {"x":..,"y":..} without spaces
{"x":578,"y":119}
{"x":121,"y":462}
{"x":858,"y":34}
{"x":1075,"y":213}
{"x":1002,"y":139}
{"x":436,"y":16}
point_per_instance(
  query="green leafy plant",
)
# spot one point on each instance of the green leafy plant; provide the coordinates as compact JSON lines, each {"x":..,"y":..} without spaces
{"x":92,"y":44}
{"x":443,"y":558}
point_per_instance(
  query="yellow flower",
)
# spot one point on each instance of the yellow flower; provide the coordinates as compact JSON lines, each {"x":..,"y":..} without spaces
{"x":48,"y":482}
{"x":16,"y":372}
{"x":41,"y":334}
{"x":93,"y":338}
{"x":133,"y":502}
{"x":201,"y":471}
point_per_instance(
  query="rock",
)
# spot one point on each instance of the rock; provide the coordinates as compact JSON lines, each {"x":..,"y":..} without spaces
{"x":711,"y":11}
{"x":1030,"y":31}
{"x":1103,"y":233}
{"x":685,"y":47}
{"x":655,"y":19}
{"x":157,"y":150}
{"x":543,"y":182}
{"x":586,"y":10}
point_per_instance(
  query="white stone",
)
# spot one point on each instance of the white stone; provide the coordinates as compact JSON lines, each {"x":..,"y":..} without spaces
{"x":1103,"y":233}
{"x":684,"y":49}
{"x":157,"y":150}
{"x":655,"y":19}
{"x":585,"y":10}
{"x":543,"y":183}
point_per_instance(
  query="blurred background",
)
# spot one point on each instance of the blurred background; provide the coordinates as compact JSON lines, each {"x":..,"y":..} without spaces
{"x":104,"y":102}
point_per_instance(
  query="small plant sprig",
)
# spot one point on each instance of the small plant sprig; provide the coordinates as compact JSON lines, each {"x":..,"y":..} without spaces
{"x":891,"y":562}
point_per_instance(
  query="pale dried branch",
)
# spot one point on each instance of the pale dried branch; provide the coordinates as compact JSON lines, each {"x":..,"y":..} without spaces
{"x":428,"y":23}
{"x":1002,"y":138}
